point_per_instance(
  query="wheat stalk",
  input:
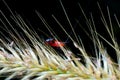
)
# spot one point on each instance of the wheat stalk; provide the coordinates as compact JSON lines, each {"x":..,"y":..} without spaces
{"x":38,"y":61}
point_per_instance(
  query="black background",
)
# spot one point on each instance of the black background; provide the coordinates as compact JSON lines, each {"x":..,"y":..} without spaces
{"x":26,"y":8}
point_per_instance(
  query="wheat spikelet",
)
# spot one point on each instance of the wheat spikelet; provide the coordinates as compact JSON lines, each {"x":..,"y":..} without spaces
{"x":38,"y":61}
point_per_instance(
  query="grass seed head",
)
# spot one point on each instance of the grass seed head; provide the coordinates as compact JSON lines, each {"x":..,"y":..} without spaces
{"x":32,"y":59}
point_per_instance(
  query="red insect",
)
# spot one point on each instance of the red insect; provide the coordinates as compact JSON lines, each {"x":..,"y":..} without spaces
{"x":54,"y":43}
